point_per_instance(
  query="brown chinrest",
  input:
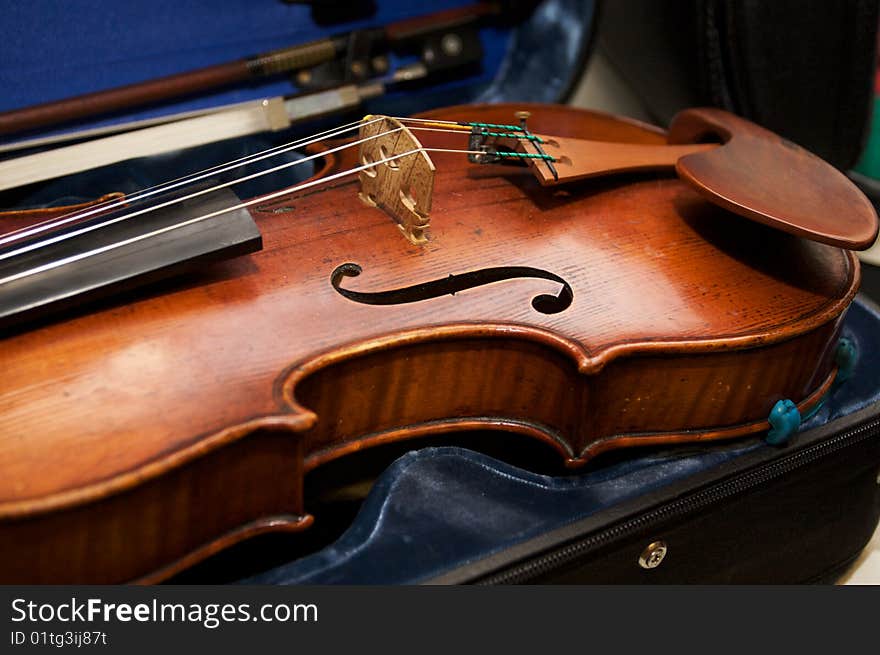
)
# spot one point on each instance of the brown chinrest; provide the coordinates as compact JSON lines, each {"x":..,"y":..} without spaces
{"x":753,"y":172}
{"x":760,"y":175}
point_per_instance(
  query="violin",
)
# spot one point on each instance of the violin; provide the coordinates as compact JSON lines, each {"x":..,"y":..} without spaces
{"x":555,"y":274}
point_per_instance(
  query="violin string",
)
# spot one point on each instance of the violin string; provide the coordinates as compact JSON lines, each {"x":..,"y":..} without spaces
{"x":505,"y":135}
{"x":61,"y":237}
{"x":89,"y":228}
{"x":459,"y":125}
{"x":243,"y":205}
{"x":58,"y":221}
{"x":463,"y":126}
{"x":187,"y":179}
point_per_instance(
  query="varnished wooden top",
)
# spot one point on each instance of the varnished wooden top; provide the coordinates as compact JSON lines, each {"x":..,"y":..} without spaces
{"x":764,"y":177}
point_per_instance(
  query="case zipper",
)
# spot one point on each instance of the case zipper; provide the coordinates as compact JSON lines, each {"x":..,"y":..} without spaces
{"x":561,"y":556}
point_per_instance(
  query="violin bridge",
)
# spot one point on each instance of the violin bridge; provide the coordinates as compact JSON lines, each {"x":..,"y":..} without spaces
{"x":399,"y":175}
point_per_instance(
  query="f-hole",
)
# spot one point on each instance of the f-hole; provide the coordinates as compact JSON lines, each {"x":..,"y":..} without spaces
{"x":546,"y":303}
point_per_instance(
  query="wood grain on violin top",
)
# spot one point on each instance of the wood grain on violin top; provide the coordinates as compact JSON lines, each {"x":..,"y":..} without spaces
{"x":102,"y":399}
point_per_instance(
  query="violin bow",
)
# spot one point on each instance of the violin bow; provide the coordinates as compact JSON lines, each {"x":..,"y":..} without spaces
{"x":362,"y":51}
{"x":243,"y":119}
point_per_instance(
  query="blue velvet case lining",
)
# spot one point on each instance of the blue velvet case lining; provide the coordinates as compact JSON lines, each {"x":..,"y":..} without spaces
{"x":53,"y":50}
{"x":403,"y":535}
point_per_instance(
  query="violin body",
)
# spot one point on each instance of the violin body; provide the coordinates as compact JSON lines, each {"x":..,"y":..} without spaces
{"x":138,"y":437}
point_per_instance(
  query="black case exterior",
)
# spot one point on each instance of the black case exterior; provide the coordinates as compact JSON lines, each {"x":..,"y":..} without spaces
{"x":796,"y":515}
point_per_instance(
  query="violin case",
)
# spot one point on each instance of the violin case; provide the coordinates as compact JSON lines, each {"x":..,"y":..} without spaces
{"x":473,"y":509}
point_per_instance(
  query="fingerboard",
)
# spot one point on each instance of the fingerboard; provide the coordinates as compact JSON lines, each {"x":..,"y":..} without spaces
{"x":42,"y":281}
